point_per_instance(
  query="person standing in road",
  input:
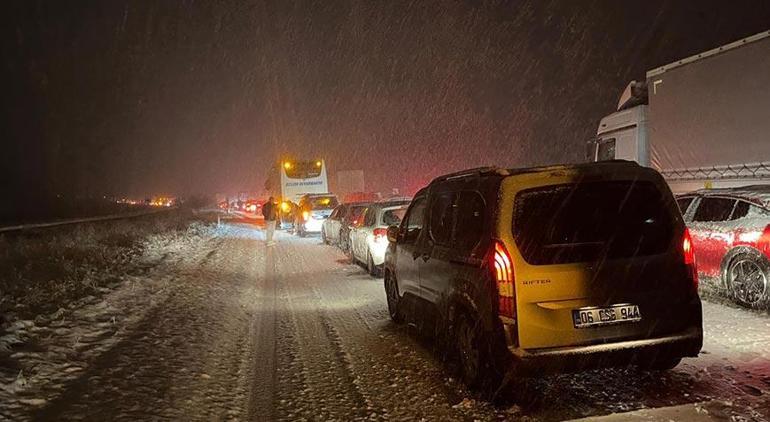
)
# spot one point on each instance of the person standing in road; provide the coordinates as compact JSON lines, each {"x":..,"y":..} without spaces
{"x":270,"y":212}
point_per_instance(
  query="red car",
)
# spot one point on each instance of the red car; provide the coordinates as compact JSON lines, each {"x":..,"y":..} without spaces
{"x":730,"y":230}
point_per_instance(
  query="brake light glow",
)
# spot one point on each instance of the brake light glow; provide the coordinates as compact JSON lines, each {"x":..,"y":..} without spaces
{"x":380,"y":235}
{"x":503,"y":273}
{"x":305,"y":215}
{"x":689,"y":257}
{"x":763,"y":244}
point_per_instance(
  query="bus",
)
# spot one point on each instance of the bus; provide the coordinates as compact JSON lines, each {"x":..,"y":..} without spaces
{"x":290,"y":179}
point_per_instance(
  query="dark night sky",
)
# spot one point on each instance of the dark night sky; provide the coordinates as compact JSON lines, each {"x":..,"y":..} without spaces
{"x":201,"y":96}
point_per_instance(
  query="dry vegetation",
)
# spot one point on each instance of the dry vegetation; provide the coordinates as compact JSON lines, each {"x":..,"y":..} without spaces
{"x":44,"y":270}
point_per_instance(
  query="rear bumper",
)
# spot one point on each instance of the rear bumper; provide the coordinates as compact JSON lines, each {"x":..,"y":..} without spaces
{"x":377,"y":250}
{"x":687,"y":343}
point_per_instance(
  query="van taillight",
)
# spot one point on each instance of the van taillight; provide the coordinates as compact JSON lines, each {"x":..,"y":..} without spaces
{"x":503,"y":273}
{"x":689,"y":257}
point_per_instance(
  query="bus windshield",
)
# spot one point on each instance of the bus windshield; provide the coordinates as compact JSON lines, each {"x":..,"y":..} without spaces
{"x":302,"y":169}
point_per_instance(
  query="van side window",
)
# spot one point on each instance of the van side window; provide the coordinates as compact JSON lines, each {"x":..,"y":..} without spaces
{"x":471,"y":211}
{"x":714,"y":209}
{"x":370,"y":216}
{"x":441,"y":218}
{"x":413,"y":222}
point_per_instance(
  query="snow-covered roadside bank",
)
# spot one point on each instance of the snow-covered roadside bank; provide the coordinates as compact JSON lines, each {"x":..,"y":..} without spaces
{"x":39,"y":355}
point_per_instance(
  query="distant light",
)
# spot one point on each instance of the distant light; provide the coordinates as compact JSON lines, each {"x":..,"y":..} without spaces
{"x":287,"y":165}
{"x":318,"y":164}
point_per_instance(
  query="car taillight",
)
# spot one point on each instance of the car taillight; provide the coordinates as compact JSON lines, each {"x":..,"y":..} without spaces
{"x":380,"y":234}
{"x":305,"y":215}
{"x":503,"y":273}
{"x":763,"y":244}
{"x":689,"y":257}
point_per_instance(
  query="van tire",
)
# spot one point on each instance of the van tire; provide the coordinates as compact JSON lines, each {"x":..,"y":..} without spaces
{"x":475,"y":353}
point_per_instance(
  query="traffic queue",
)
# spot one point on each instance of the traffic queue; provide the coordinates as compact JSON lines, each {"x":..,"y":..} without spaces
{"x":554,"y":268}
{"x":730,"y":234}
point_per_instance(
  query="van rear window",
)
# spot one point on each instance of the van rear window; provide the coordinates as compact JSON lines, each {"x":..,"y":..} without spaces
{"x":590,"y":221}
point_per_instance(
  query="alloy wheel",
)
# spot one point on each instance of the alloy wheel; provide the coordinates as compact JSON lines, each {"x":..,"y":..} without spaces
{"x":748,"y":281}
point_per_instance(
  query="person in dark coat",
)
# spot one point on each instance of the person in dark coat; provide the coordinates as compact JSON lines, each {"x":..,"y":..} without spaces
{"x":270,"y":212}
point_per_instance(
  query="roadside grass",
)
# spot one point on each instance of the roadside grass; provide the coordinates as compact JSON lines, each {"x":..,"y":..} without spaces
{"x":44,"y":270}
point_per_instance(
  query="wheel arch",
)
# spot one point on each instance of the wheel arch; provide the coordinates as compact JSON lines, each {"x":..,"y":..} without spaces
{"x":460,"y":303}
{"x":732,"y":254}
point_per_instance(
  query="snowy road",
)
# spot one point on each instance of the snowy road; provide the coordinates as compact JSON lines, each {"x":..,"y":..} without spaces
{"x":230,"y":329}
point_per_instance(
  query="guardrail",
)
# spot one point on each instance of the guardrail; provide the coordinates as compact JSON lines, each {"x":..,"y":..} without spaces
{"x":82,"y":220}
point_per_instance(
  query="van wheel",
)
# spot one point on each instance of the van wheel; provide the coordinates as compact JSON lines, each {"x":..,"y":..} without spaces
{"x":394,"y":300}
{"x":747,"y":280}
{"x":476,"y":357}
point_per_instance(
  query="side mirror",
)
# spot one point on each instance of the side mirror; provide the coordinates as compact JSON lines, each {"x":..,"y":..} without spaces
{"x":392,"y":234}
{"x":591,"y":150}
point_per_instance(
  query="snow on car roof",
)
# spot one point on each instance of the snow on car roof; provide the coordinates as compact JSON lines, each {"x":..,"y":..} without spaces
{"x":757,"y":194}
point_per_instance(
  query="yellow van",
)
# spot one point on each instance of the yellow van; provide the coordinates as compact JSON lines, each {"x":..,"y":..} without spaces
{"x":548,"y":268}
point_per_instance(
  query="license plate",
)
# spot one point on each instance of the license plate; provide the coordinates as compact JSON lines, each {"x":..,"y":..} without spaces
{"x":591,"y":317}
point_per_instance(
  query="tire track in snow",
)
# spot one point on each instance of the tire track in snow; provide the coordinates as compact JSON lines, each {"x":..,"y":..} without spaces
{"x":397,"y":377}
{"x":328,"y":390}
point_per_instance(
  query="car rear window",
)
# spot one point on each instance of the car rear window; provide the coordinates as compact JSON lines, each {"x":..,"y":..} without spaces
{"x":323,"y":202}
{"x":393,"y":216}
{"x":590,"y":221}
{"x":714,"y":209}
{"x":354,"y":213}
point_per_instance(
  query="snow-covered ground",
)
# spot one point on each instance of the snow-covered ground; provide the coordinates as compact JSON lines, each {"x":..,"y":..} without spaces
{"x":221,"y":327}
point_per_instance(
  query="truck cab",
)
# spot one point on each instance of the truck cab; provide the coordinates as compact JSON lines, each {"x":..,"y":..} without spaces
{"x":622,"y":136}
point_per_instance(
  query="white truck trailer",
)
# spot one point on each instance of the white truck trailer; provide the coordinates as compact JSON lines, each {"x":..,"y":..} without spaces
{"x":703,"y":121}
